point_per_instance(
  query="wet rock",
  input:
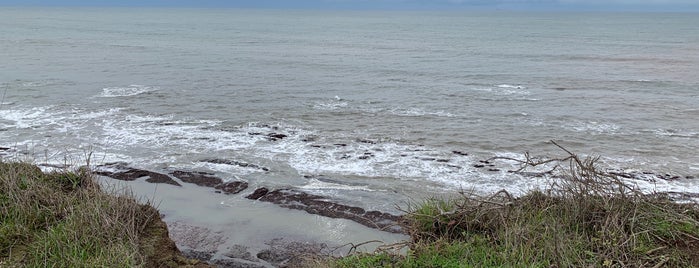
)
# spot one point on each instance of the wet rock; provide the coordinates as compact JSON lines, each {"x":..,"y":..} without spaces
{"x":622,"y":174}
{"x":206,"y":179}
{"x":366,"y":141}
{"x":233,"y":163}
{"x":366,"y":155}
{"x":276,"y":136}
{"x":320,"y":205}
{"x":120,"y":171}
{"x":259,"y":192}
{"x":232,"y":187}
{"x":459,"y":153}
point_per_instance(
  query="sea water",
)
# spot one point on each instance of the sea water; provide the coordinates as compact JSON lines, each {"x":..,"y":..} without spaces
{"x":377,"y":108}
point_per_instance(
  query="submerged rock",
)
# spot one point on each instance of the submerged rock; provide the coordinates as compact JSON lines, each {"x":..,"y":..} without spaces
{"x":320,"y":205}
{"x":283,"y":253}
{"x":120,"y":171}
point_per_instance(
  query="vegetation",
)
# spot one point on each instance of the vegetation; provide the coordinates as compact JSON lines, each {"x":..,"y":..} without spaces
{"x":66,"y":220}
{"x":587,"y":218}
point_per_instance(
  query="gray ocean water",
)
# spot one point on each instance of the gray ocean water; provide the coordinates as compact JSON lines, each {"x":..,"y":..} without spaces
{"x":372,"y":104}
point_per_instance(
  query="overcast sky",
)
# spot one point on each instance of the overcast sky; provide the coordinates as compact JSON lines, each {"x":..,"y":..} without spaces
{"x":620,"y":5}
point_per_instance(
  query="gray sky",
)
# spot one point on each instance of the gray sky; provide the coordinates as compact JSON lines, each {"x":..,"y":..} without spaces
{"x":604,"y":5}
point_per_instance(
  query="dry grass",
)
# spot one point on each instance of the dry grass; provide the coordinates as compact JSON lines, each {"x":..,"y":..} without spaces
{"x":587,"y":218}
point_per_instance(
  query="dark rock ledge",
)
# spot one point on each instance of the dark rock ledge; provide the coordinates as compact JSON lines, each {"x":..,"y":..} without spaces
{"x":234,"y":163}
{"x":208,"y":180}
{"x":287,"y":198}
{"x":319,"y":205}
{"x":121,"y":171}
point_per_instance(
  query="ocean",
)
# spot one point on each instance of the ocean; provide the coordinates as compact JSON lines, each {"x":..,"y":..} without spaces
{"x":372,"y":109}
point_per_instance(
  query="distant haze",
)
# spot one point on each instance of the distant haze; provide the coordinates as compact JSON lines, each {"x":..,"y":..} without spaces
{"x":567,"y":5}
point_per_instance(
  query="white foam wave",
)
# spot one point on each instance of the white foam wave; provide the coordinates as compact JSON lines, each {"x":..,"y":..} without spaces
{"x":504,"y":90}
{"x":165,"y":139}
{"x":510,"y":86}
{"x":132,"y":90}
{"x":419,"y":112}
{"x":593,"y":127}
{"x":315,"y":184}
{"x":675,"y":133}
{"x":26,"y":118}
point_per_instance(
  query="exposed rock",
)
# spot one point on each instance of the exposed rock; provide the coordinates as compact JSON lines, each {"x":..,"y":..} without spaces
{"x":4,"y":149}
{"x":366,"y":155}
{"x":259,"y":192}
{"x":232,"y":187}
{"x":459,"y":153}
{"x":276,"y":136}
{"x":478,"y":166}
{"x":206,"y":179}
{"x":366,"y":141}
{"x":233,"y":163}
{"x":120,"y":171}
{"x":319,"y":205}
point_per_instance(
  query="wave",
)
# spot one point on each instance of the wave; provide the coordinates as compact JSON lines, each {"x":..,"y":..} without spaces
{"x":510,"y":86}
{"x":181,"y":143}
{"x":342,"y":105}
{"x":593,"y":127}
{"x":132,"y":90}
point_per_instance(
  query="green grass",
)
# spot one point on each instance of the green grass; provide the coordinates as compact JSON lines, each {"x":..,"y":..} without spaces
{"x":66,"y":220}
{"x":586,"y":219}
